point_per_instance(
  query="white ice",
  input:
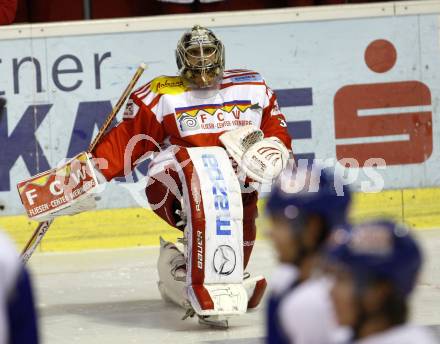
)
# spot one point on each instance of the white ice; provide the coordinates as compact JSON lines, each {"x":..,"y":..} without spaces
{"x":110,"y":296}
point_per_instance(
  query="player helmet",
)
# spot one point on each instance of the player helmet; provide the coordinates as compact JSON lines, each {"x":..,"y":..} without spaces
{"x":200,"y":57}
{"x":382,"y":250}
{"x":317,"y":196}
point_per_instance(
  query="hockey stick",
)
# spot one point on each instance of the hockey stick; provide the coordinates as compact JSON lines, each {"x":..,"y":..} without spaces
{"x":43,"y":227}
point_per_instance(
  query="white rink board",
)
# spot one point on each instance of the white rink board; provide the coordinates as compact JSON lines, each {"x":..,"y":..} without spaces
{"x":307,"y":62}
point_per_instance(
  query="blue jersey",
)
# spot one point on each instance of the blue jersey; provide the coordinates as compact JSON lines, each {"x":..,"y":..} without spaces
{"x":283,"y":281}
{"x":18,"y":324}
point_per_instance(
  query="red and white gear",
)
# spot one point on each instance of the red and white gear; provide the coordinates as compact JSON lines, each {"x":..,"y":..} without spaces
{"x":68,"y":189}
{"x":261,"y":159}
{"x":166,"y":111}
{"x":265,"y":160}
{"x":171,"y":111}
{"x":171,"y":267}
{"x":213,"y":238}
{"x":239,"y":140}
{"x":165,"y":196}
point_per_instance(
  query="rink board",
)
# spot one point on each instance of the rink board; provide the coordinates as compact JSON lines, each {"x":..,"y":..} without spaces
{"x":317,"y":67}
{"x":120,"y":228}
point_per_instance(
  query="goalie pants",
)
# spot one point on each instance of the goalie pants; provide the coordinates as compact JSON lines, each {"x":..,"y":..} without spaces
{"x":163,"y":196}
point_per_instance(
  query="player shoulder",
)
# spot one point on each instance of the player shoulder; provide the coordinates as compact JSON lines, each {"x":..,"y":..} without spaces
{"x":161,"y":85}
{"x":311,"y":295}
{"x":282,"y":278}
{"x":310,"y":300}
{"x":242,"y":76}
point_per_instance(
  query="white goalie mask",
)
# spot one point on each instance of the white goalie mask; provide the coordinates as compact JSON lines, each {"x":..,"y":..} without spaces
{"x":200,"y":57}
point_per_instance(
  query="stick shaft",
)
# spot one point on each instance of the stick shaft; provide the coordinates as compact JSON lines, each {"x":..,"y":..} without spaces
{"x":118,"y":106}
{"x":43,"y":227}
{"x":35,"y":240}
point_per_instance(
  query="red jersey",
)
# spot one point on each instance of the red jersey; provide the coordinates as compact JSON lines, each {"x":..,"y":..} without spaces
{"x":166,"y":111}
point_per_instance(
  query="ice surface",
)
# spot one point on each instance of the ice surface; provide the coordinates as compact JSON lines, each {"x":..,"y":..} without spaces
{"x":111,"y":297}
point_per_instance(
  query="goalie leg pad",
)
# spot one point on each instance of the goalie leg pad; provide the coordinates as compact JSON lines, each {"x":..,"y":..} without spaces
{"x":255,"y":288}
{"x":214,"y":232}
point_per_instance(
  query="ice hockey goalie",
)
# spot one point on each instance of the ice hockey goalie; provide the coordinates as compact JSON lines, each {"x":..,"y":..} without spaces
{"x":192,"y":126}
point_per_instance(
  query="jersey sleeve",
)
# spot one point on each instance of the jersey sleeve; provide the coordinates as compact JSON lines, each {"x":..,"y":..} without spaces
{"x":139,"y":133}
{"x":22,"y":317}
{"x":273,"y":122}
{"x":299,"y":311}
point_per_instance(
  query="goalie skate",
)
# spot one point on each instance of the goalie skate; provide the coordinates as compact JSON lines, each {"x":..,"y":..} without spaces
{"x":171,"y":267}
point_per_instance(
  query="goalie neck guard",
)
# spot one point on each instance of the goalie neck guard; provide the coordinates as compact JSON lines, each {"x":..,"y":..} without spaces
{"x":200,"y":57}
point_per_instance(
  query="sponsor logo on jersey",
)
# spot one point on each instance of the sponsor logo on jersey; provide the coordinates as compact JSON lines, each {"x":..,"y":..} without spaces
{"x":228,"y":107}
{"x":210,"y":116}
{"x":247,"y":78}
{"x":187,"y":123}
{"x":169,"y":85}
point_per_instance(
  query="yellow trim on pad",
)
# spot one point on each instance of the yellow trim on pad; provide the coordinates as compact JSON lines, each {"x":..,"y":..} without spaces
{"x":116,"y":228}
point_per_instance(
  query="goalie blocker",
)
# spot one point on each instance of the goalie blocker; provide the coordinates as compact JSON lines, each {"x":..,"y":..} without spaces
{"x":65,"y":190}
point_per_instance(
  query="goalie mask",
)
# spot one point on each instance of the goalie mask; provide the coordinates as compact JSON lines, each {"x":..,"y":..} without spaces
{"x":200,"y":57}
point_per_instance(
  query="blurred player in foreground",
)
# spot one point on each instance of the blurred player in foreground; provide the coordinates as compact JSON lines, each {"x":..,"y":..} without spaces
{"x":304,"y":209}
{"x":18,"y":321}
{"x":376,"y":268}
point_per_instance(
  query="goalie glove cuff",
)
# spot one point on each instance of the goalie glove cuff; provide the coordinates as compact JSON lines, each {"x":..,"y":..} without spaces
{"x":260,"y":158}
